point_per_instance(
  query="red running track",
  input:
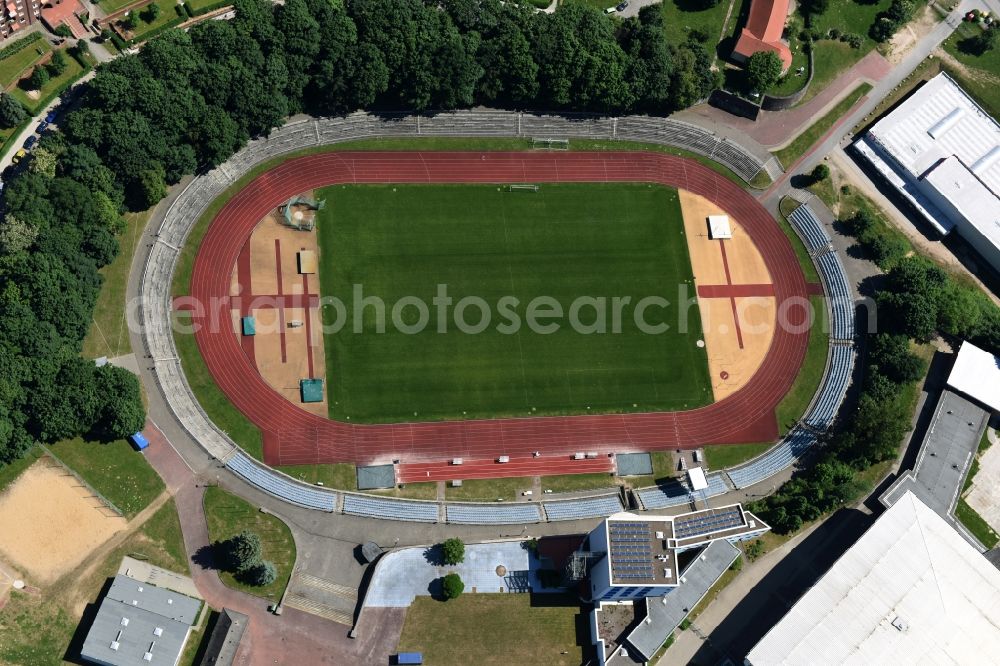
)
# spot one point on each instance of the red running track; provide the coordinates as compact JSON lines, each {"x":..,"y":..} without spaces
{"x":293,"y":436}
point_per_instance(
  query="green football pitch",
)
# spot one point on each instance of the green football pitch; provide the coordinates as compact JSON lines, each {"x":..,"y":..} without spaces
{"x":564,"y":242}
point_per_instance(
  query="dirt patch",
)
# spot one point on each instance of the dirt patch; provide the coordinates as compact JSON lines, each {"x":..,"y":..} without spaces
{"x":977,"y":75}
{"x":50,"y":522}
{"x":911,"y":33}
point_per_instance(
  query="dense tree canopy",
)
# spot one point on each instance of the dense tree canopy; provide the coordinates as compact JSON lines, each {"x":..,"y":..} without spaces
{"x":763,"y":70}
{"x":188,"y":100}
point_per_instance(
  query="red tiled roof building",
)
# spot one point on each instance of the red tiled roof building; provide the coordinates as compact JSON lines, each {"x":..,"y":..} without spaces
{"x":763,"y":31}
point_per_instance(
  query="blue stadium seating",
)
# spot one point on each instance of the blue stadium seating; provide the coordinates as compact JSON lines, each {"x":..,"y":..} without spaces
{"x":281,"y":486}
{"x":809,"y":226}
{"x":795,"y":444}
{"x":676,"y":493}
{"x":492,"y":514}
{"x":834,"y":388}
{"x":390,"y":509}
{"x":585,"y":507}
{"x":841,"y":302}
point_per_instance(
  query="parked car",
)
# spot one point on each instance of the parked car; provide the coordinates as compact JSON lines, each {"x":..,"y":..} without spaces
{"x":21,"y":152}
{"x":50,"y":117}
{"x":622,"y":6}
{"x":30,"y":141}
{"x":42,"y":126}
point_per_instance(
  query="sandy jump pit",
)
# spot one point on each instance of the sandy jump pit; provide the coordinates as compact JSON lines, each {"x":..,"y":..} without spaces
{"x":50,"y":522}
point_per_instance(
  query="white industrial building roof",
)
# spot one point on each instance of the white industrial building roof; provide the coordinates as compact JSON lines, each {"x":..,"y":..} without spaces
{"x":976,"y":373}
{"x":910,"y":591}
{"x":937,"y":121}
{"x":719,"y":227}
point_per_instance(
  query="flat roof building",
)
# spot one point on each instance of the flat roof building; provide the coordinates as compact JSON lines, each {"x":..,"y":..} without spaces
{"x":139,"y":623}
{"x":941,"y":152}
{"x":636,"y":556}
{"x":911,"y":590}
{"x":976,"y":373}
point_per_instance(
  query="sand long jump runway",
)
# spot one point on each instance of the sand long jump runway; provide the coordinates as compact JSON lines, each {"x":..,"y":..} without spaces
{"x":294,"y":436}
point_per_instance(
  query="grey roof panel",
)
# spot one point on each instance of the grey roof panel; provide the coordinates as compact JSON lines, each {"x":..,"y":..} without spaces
{"x":666,"y":612}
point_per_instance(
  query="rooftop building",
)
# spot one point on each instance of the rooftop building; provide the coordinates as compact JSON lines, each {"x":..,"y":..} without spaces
{"x":910,"y":590}
{"x":634,"y":556}
{"x":763,"y":31}
{"x":941,"y":151}
{"x":976,"y":374}
{"x":139,"y":623}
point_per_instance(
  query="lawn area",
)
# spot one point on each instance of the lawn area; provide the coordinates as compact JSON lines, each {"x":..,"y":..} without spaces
{"x":340,"y":477}
{"x":14,"y":66}
{"x":211,"y":398}
{"x":565,"y":483}
{"x":482,"y":242}
{"x":682,"y":17}
{"x":108,"y":333}
{"x":111,"y":6}
{"x":833,"y":57}
{"x":228,"y":515}
{"x":975,"y":524}
{"x":719,"y":457}
{"x":199,"y":5}
{"x":55,"y":86}
{"x":489,"y":490}
{"x":453,"y":633}
{"x":979,"y":75}
{"x":38,"y":629}
{"x":168,"y":16}
{"x":114,"y":470}
{"x":793,"y":405}
{"x":810,"y":135}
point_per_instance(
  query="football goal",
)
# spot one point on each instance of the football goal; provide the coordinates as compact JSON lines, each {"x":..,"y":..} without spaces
{"x":550,"y":144}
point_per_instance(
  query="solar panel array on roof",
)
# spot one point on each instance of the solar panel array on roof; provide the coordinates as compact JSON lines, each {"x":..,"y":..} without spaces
{"x":631,"y":554}
{"x":706,"y":522}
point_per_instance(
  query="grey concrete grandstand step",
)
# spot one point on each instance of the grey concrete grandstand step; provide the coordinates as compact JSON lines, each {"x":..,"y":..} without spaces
{"x":305,"y":579}
{"x":313,"y":607}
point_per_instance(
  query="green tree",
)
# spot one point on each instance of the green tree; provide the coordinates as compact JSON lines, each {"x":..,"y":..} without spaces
{"x":39,"y":77}
{"x":150,"y":187}
{"x":16,"y":236}
{"x":821,"y":172}
{"x":453,"y":551}
{"x":122,"y":412}
{"x":12,"y":113}
{"x":763,"y":70}
{"x":57,"y":64}
{"x":243,"y":552}
{"x":131,"y":21}
{"x":151,"y":12}
{"x":43,"y":162}
{"x":452,"y":586}
{"x":261,"y":574}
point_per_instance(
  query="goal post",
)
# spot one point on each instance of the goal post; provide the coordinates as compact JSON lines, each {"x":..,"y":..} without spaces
{"x":522,"y":187}
{"x":550,"y":144}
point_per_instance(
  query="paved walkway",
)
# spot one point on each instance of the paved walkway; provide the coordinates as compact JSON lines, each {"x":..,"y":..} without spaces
{"x":776,"y":128}
{"x":411,"y":572}
{"x":293,"y":637}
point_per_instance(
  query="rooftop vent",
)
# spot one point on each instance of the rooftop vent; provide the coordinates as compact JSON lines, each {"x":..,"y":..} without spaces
{"x":900,"y":624}
{"x":941,"y":127}
{"x":115,"y":645}
{"x":148,"y":656}
{"x":158,"y":631}
{"x":124,"y":621}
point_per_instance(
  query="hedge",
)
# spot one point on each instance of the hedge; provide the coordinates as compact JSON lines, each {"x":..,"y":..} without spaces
{"x":19,"y":45}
